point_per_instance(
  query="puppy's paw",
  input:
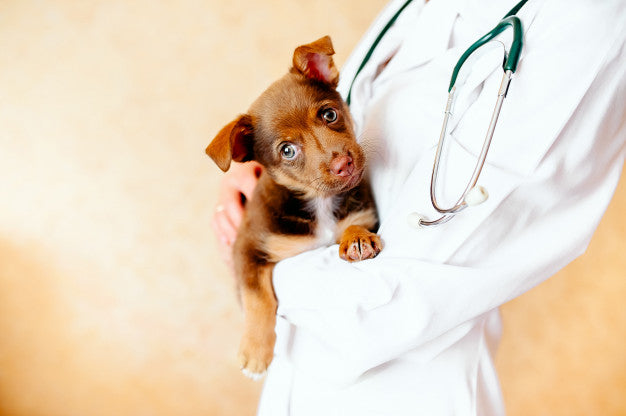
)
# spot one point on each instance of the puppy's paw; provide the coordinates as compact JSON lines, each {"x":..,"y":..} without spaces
{"x":252,"y":375}
{"x":358,"y":243}
{"x":255,"y":356}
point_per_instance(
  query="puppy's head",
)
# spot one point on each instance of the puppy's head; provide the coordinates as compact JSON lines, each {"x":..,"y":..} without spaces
{"x":299,"y":129}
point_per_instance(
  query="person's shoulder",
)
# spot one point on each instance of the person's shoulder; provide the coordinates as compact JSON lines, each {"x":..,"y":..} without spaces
{"x":585,"y":15}
{"x":580,"y":26}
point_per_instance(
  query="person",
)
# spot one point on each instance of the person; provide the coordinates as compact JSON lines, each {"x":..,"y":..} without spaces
{"x":414,"y":331}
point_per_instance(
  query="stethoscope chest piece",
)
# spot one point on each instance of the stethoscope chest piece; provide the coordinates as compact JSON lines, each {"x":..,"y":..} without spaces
{"x":414,"y":219}
{"x":475,"y":196}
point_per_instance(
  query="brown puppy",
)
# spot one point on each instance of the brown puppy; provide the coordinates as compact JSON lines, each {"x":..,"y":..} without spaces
{"x":311,"y":193}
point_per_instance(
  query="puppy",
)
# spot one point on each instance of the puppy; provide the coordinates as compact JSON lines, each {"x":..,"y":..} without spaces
{"x":311,"y":193}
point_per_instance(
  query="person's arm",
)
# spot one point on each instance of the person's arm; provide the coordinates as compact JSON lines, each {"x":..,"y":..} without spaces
{"x":349,"y":318}
{"x":353,"y":317}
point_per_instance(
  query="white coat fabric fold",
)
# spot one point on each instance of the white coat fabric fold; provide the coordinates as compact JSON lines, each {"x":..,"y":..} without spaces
{"x":413,"y":331}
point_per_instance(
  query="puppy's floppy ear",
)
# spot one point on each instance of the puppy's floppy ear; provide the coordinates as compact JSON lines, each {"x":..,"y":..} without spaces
{"x":233,"y":142}
{"x":314,"y":61}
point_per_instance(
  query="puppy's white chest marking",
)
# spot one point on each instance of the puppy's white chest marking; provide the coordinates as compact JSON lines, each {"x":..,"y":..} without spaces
{"x":325,"y":221}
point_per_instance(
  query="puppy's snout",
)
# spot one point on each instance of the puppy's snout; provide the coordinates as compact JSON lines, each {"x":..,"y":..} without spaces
{"x":342,"y":166}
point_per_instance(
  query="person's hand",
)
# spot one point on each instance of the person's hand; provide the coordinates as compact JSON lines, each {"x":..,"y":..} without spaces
{"x":236,"y":188}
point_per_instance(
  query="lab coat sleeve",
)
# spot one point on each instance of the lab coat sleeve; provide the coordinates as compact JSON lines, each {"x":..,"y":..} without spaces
{"x":347,"y":318}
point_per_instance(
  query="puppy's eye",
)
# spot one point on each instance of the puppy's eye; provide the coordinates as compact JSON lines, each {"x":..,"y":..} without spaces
{"x":329,"y":115}
{"x":288,"y":151}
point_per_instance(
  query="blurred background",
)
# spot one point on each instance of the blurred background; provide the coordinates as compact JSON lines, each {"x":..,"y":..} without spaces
{"x":113,"y":300}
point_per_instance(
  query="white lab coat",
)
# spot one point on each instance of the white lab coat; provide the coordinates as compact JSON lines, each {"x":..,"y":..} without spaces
{"x":413,"y":331}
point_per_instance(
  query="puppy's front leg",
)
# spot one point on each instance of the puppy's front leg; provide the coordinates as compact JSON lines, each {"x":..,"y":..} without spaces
{"x":259,"y":303}
{"x":358,"y":243}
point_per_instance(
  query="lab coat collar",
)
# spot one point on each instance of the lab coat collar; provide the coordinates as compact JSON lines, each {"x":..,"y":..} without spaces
{"x":421,"y":33}
{"x":360,"y":51}
{"x":387,"y":48}
{"x":430,"y":36}
{"x":484,"y":14}
{"x":426,"y":39}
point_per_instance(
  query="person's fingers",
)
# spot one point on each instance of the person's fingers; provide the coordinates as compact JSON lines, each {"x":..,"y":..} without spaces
{"x":224,"y":229}
{"x":224,"y":232}
{"x":226,"y":254}
{"x":233,"y":209}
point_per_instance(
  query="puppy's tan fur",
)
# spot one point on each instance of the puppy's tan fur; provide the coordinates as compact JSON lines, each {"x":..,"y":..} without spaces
{"x":315,"y":198}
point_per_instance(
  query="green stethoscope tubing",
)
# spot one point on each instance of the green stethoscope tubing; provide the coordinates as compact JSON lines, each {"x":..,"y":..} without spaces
{"x":369,"y":53}
{"x":508,"y":20}
{"x":510,"y":64}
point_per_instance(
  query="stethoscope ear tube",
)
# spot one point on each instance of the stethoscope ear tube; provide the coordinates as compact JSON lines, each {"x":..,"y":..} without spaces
{"x":369,"y":53}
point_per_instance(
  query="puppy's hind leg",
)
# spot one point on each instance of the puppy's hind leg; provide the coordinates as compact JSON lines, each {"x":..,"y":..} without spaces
{"x":259,"y":303}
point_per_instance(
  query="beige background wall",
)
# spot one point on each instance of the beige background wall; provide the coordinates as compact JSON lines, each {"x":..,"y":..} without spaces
{"x":112,"y":298}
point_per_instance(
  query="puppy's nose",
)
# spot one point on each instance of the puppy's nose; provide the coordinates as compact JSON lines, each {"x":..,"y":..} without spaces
{"x":342,"y":166}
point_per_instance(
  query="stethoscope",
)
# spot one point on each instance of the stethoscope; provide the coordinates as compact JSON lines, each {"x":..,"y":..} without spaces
{"x":473,"y":194}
